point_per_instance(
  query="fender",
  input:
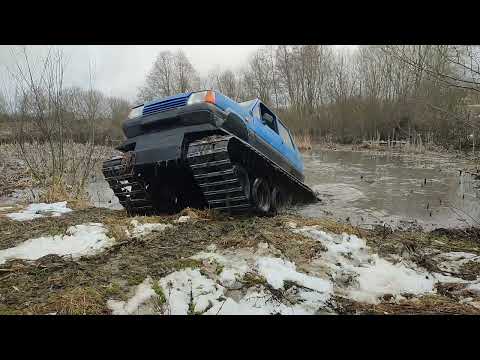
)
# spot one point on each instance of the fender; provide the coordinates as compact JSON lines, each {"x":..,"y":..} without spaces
{"x":235,"y":124}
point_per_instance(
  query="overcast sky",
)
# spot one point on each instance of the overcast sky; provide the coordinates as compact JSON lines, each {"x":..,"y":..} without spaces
{"x":121,"y":69}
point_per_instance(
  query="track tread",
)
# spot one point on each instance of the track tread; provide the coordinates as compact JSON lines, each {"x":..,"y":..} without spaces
{"x":219,"y":198}
{"x":127,"y":187}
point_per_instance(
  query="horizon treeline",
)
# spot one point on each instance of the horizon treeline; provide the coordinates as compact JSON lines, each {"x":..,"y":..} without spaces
{"x":425,"y":92}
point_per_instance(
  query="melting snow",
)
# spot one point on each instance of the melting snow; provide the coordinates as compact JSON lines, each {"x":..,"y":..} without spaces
{"x":34,"y":211}
{"x":182,"y":219}
{"x":347,"y":267}
{"x":143,"y":293}
{"x":364,"y":276}
{"x":453,"y":261}
{"x":474,"y":287}
{"x":145,"y":229}
{"x":202,"y":292}
{"x":190,"y":287}
{"x":79,"y":240}
{"x":234,"y":264}
{"x":276,"y":271}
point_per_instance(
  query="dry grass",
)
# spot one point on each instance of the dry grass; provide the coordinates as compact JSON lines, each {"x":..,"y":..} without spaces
{"x":67,"y":161}
{"x":424,"y":305}
{"x":74,"y":301}
{"x":32,"y":165}
{"x":82,"y":286}
{"x":79,"y":301}
{"x":333,"y":226}
{"x":470,"y":270}
{"x":303,"y":141}
{"x":250,"y":231}
{"x":14,"y":175}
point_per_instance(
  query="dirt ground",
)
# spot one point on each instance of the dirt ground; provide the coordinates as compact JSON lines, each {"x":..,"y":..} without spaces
{"x":54,"y":284}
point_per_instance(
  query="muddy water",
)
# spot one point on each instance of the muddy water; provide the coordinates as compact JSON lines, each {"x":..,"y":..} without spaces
{"x":102,"y":195}
{"x":375,"y":188}
{"x":399,"y":190}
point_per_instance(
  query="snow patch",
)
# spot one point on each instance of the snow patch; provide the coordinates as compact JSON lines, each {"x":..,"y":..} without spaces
{"x":347,"y":268}
{"x":453,"y":261}
{"x":182,"y":219}
{"x":79,"y":240}
{"x":363,"y":276}
{"x":212,"y":292}
{"x":306,"y":295}
{"x":475,"y":288}
{"x":188,"y":290}
{"x":143,"y":293}
{"x":34,"y":211}
{"x":231,"y":307}
{"x":145,"y":229}
{"x":276,"y":271}
{"x":234,"y":265}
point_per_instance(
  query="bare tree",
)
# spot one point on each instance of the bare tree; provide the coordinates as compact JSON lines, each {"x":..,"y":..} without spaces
{"x":43,"y":133}
{"x":3,"y":105}
{"x":170,"y":74}
{"x":224,"y":81}
{"x":258,"y":76}
{"x":186,"y":77}
{"x":160,"y":79}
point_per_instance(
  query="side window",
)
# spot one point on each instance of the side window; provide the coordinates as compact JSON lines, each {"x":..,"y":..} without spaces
{"x":268,"y":118}
{"x":285,"y":135}
{"x":256,"y":112}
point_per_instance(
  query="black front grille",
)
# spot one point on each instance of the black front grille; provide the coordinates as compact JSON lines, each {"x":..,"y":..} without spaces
{"x":165,"y":105}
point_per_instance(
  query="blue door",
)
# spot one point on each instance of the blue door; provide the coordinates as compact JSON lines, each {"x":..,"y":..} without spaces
{"x":271,"y":131}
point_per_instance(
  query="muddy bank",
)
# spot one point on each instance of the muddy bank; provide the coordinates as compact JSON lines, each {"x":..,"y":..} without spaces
{"x":157,"y":247}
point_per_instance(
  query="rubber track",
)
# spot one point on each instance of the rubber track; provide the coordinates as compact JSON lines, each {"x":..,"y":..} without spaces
{"x":215,"y":175}
{"x":210,"y":163}
{"x":127,"y":187}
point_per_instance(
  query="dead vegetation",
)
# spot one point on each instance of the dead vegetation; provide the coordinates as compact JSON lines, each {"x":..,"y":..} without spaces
{"x":50,"y":283}
{"x":54,"y":284}
{"x":45,"y":147}
{"x":303,"y":141}
{"x":424,"y":305}
{"x":14,"y":175}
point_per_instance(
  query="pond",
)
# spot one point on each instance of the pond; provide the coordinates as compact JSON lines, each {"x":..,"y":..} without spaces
{"x":367,"y":188}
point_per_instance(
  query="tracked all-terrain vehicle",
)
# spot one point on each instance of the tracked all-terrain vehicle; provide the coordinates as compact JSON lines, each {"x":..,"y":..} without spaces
{"x":204,"y":150}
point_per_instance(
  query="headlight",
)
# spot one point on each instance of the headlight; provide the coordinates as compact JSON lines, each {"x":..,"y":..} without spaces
{"x":136,"y":112}
{"x":202,"y":96}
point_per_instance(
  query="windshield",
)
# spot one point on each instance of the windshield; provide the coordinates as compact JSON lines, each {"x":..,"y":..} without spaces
{"x":247,"y":104}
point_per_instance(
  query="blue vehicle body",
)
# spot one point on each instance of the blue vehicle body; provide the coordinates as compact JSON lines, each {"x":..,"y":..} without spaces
{"x":282,"y":150}
{"x":253,"y":121}
{"x":166,"y":139}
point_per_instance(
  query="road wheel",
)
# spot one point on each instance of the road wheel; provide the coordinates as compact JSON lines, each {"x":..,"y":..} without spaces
{"x":279,"y":200}
{"x":261,"y":195}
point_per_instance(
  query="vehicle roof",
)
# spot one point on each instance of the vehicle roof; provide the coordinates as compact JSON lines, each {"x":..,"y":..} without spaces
{"x":254,"y":102}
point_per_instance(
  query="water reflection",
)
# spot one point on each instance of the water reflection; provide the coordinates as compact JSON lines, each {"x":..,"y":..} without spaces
{"x":400,"y":190}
